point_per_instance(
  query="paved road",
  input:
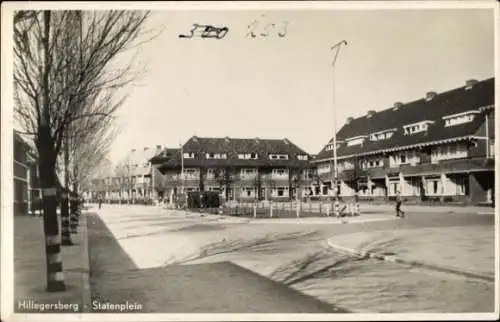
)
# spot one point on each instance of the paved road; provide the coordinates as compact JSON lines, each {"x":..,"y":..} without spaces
{"x":297,"y":255}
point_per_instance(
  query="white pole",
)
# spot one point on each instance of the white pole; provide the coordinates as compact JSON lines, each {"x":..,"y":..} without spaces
{"x":334,"y":147}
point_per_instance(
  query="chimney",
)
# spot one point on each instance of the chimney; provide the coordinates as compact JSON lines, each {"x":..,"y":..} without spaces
{"x":370,"y":113}
{"x":397,"y":106}
{"x":470,"y":83}
{"x":257,"y":140}
{"x":227,"y":139}
{"x":430,"y":95}
{"x":195,"y":138}
{"x":286,"y":141}
{"x":349,"y":120}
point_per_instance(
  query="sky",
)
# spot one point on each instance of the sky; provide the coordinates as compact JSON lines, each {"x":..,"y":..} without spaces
{"x":286,"y":87}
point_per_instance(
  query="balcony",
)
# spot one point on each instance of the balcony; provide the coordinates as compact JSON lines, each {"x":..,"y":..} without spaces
{"x":247,"y":176}
{"x":276,"y":176}
{"x":449,"y":166}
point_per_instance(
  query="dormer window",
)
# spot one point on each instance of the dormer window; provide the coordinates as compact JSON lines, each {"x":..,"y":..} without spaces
{"x":247,"y":156}
{"x":302,"y":157}
{"x":416,"y":127}
{"x":278,"y":156}
{"x":460,"y":118}
{"x":382,"y":135}
{"x":329,"y":146}
{"x":188,"y":155}
{"x":216,"y":156}
{"x":358,"y":140}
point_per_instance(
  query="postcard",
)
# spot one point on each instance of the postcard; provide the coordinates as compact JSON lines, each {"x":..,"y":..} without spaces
{"x":249,"y":161}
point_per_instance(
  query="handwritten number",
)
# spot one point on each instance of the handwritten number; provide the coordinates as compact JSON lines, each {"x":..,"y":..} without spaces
{"x":207,"y":31}
{"x":252,"y":28}
{"x":283,"y":32}
{"x":222,"y":32}
{"x":266,"y":33}
{"x":195,"y":26}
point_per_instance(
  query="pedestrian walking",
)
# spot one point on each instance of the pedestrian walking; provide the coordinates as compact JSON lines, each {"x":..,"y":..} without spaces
{"x":100,"y":202}
{"x":357,"y":211}
{"x":399,"y":213}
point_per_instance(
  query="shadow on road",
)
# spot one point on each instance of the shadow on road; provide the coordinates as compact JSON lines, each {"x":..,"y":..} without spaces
{"x":203,"y":288}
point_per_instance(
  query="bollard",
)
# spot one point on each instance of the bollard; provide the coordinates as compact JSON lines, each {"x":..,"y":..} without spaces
{"x":310,"y":207}
{"x":327,"y":211}
{"x":271,"y":210}
{"x":320,"y":208}
{"x":358,"y":210}
{"x":254,"y":211}
{"x":298,"y":209}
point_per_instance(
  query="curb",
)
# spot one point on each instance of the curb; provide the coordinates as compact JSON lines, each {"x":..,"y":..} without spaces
{"x":399,"y":260}
{"x":86,"y":294}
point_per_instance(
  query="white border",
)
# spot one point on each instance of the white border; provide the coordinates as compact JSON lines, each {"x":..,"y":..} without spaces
{"x":6,"y":152}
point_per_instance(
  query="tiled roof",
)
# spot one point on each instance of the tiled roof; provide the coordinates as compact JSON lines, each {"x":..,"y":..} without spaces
{"x":232,"y":147}
{"x":165,"y":155}
{"x":451,"y":102}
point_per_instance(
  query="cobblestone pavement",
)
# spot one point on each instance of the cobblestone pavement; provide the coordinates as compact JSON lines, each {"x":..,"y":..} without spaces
{"x":297,"y":256}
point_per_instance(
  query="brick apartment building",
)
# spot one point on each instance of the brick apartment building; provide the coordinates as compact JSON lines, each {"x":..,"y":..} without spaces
{"x":240,"y":169}
{"x":26,"y":179}
{"x":440,"y":147}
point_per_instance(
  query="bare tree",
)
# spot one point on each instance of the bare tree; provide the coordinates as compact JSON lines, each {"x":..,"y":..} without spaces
{"x":55,"y":76}
{"x":125,"y":175}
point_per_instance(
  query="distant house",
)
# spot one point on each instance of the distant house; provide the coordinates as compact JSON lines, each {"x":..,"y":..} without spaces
{"x":440,"y":147}
{"x":129,"y":180}
{"x":237,"y":168}
{"x":26,"y":175}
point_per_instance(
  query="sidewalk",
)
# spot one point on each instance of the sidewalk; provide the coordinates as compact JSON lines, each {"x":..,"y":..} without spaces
{"x":468,"y":249}
{"x":202,"y":288}
{"x":30,"y":268}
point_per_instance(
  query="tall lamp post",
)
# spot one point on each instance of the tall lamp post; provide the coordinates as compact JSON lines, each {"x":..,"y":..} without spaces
{"x":335,"y":47}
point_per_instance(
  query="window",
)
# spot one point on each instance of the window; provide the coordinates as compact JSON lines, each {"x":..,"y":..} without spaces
{"x":280,"y":172}
{"x":324,"y":167}
{"x":355,"y":141}
{"x":216,"y":156}
{"x":302,"y":157}
{"x":416,"y":128}
{"x":188,"y":155}
{"x":278,"y":156}
{"x":282,"y":191}
{"x":402,"y":158}
{"x":460,"y":118}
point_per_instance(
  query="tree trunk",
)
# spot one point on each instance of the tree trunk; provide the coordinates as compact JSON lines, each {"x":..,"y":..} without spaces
{"x":74,"y":215}
{"x":55,"y":276}
{"x":65,"y":220}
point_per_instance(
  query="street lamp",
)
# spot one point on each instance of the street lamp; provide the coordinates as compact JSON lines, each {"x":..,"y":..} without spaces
{"x":335,"y":47}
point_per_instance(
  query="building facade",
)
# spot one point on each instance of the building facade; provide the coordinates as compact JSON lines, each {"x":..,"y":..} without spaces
{"x":26,"y":176}
{"x":440,"y":147}
{"x":127,"y":181}
{"x":239,"y":169}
